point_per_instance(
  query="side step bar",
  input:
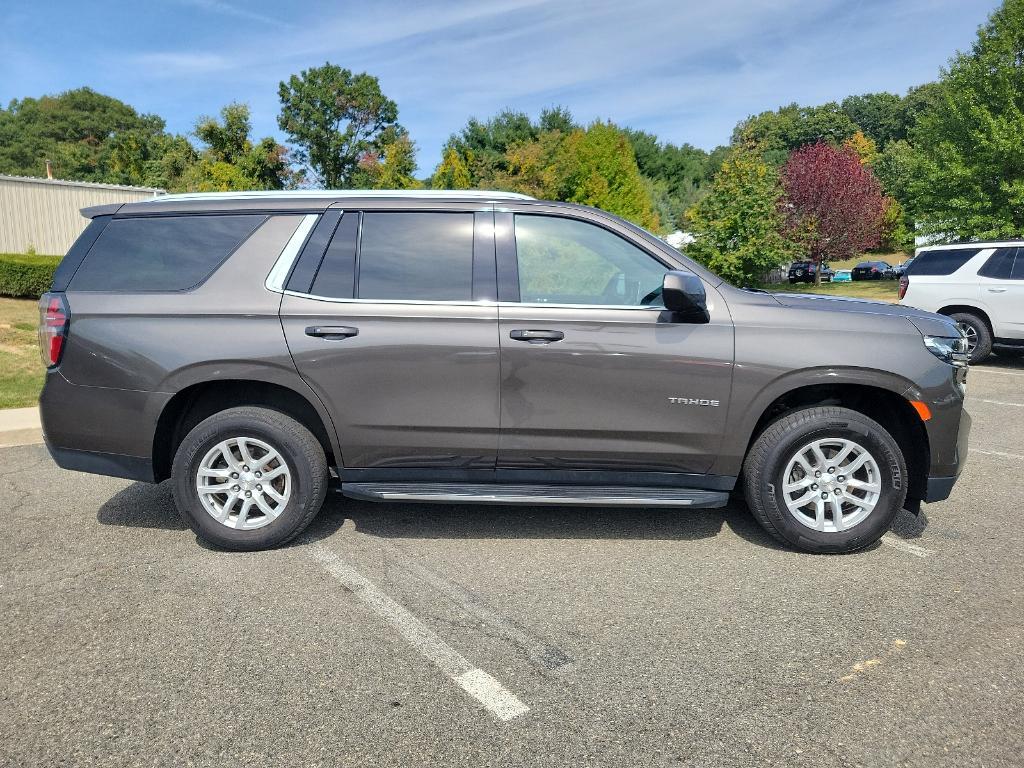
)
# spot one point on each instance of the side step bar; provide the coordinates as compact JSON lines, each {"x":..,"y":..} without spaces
{"x":579,"y":495}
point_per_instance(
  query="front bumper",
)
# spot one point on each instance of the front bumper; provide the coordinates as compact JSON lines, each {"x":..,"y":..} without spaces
{"x":939,"y":487}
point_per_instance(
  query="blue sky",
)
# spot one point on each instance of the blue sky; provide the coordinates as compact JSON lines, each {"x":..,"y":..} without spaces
{"x":687,"y":71}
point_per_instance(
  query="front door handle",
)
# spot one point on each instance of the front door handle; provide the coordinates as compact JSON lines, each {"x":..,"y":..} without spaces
{"x":997,"y":290}
{"x":536,"y":337}
{"x":332,"y":332}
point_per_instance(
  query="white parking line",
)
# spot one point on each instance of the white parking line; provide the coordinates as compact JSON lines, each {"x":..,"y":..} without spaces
{"x":997,"y":373}
{"x":501,"y":702}
{"x":905,"y":546}
{"x":995,"y":402}
{"x":997,"y":453}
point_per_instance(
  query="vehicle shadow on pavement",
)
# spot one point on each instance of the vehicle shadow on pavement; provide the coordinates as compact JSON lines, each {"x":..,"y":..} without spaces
{"x":142,"y":505}
{"x":434,"y":521}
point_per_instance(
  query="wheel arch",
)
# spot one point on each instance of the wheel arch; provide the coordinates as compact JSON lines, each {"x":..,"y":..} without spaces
{"x":198,"y":401}
{"x":951,"y":309}
{"x":890,"y":409}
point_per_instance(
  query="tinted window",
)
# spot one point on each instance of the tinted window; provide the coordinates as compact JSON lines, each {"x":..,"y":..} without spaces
{"x":563,"y":261}
{"x":167,"y":253}
{"x":1017,"y":271}
{"x":336,"y":275}
{"x":941,"y":262}
{"x":417,"y":256}
{"x":1000,"y":264}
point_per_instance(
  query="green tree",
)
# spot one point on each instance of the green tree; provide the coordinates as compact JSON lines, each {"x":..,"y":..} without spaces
{"x":677,"y":175}
{"x":882,"y":117}
{"x":452,"y":173}
{"x":597,"y":167}
{"x":89,"y":136}
{"x":393,"y":168}
{"x":738,"y":224}
{"x":230,"y":160}
{"x":482,"y":146}
{"x":969,"y":143}
{"x":334,"y":118}
{"x":793,"y":126}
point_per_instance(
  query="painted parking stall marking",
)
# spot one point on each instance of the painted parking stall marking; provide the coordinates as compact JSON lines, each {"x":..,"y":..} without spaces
{"x":1000,"y":454}
{"x":905,"y":546}
{"x":498,"y":700}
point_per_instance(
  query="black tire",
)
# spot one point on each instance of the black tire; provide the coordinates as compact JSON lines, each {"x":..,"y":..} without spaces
{"x":792,"y":281}
{"x":983,"y":347}
{"x":296,"y":445}
{"x":772,"y":451}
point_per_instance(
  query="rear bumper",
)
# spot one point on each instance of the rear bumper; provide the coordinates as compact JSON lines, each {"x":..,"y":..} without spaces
{"x":101,"y":430}
{"x":96,"y":463}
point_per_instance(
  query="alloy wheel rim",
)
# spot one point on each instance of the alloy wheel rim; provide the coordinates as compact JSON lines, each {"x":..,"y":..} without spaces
{"x":831,"y":485}
{"x":244,"y":483}
{"x":972,"y":336}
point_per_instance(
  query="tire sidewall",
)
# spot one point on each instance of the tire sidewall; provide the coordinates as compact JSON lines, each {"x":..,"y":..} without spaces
{"x":186,"y":465}
{"x":984,"y":346}
{"x":892,"y":469}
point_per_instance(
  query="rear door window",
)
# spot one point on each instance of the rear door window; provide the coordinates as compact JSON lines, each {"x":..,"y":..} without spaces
{"x":941,"y":262}
{"x":1000,"y":264}
{"x":161,"y":253}
{"x":416,"y":256}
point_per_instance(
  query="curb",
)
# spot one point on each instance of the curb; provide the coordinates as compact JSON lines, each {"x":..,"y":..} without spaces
{"x":20,"y":426}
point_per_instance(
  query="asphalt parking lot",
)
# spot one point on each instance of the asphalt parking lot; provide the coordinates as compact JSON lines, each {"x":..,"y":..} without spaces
{"x":431,"y":635}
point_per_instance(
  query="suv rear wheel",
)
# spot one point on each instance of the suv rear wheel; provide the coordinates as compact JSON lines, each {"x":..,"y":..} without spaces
{"x":249,"y":478}
{"x":825,"y":479}
{"x":979,"y":338}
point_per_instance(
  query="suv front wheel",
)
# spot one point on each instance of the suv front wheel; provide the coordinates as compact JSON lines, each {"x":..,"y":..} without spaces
{"x":825,"y":479}
{"x":249,"y":478}
{"x":979,"y":338}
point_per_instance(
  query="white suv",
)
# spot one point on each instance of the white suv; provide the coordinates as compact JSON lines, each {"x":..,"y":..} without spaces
{"x":980,"y":285}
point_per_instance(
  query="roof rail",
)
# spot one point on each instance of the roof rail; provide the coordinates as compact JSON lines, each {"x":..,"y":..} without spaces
{"x":320,"y":194}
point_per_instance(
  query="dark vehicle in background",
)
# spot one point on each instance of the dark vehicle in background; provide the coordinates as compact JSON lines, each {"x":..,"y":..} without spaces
{"x":873,"y":270}
{"x":901,"y":269}
{"x":803,"y":272}
{"x":258,"y":349}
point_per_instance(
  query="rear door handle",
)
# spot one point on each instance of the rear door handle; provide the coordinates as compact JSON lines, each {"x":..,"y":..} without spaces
{"x":536,"y":336}
{"x":997,"y":290}
{"x":332,"y":332}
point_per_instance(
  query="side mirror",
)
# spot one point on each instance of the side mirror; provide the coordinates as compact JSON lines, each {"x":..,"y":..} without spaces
{"x":683,"y":295}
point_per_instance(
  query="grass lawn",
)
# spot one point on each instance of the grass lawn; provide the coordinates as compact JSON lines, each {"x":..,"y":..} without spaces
{"x":21,"y":371}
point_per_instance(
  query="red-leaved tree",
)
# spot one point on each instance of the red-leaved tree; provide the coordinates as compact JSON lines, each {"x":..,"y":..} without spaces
{"x":834,"y":205}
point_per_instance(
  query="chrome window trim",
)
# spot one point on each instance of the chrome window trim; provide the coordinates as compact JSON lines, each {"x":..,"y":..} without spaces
{"x":283,"y":266}
{"x":508,"y":304}
{"x":414,"y":302}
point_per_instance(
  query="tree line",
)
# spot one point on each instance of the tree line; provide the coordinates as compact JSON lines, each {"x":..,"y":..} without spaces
{"x":821,"y":182}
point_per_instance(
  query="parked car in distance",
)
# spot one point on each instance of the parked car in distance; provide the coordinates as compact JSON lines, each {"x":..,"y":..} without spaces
{"x":873,"y":270}
{"x":901,"y":269}
{"x":980,"y":285}
{"x":468,"y":346}
{"x":803,"y":272}
{"x":842,"y":276}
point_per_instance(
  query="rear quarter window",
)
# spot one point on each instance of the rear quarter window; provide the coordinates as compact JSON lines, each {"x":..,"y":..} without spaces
{"x":161,"y":253}
{"x":941,"y":262}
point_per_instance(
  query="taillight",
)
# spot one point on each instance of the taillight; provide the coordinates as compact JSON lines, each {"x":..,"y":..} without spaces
{"x":54,"y":317}
{"x":904,"y":284}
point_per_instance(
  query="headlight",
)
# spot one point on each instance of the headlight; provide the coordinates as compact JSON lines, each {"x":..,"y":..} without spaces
{"x":950,"y":350}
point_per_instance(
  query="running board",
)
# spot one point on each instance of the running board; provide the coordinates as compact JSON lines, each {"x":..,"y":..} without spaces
{"x":580,"y":495}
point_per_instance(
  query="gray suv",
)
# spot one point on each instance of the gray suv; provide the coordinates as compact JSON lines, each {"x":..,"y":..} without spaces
{"x":257,"y":349}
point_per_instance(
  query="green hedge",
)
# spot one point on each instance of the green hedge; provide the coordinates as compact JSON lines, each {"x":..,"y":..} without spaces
{"x":26,"y":275}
